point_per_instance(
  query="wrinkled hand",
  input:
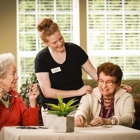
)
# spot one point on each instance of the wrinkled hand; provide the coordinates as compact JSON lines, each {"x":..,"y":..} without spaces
{"x":85,"y":89}
{"x":33,"y":94}
{"x":97,"y":121}
{"x":80,"y":121}
{"x":126,"y":87}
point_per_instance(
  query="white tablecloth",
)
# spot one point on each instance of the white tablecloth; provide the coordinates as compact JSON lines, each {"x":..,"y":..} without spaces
{"x":86,"y":133}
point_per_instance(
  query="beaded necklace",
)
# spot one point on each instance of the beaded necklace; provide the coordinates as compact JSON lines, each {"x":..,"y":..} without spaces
{"x":106,"y":113}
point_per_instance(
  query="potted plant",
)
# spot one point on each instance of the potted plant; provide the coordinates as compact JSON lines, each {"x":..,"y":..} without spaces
{"x":24,"y":89}
{"x":63,"y":123}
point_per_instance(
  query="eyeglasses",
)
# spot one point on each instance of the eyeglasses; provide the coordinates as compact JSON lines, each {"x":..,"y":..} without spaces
{"x":108,"y":83}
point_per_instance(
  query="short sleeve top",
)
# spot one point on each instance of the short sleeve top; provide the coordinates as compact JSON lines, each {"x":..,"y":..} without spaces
{"x":68,"y":75}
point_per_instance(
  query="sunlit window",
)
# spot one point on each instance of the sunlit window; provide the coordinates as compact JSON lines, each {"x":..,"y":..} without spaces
{"x":113,"y":31}
{"x":64,"y":12}
{"x":114,"y":34}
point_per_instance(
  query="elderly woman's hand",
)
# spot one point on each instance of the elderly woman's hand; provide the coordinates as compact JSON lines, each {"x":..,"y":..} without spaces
{"x":80,"y":121}
{"x":33,"y":94}
{"x":97,"y":121}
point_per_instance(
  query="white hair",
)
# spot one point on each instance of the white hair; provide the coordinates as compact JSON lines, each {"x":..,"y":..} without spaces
{"x":5,"y":60}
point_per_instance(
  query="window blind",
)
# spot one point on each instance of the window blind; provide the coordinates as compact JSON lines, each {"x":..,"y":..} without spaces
{"x":113,"y":30}
{"x":65,"y":13}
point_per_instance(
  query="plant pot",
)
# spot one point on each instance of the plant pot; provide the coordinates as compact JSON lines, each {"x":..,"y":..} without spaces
{"x":63,"y":124}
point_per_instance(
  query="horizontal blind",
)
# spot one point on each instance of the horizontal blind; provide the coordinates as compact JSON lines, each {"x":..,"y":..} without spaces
{"x":114,"y":34}
{"x":29,"y":44}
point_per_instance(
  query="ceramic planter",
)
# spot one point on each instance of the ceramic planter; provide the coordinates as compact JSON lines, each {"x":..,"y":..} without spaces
{"x":63,"y":124}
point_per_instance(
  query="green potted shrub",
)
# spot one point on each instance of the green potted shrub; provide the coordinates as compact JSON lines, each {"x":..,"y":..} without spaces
{"x":24,"y":89}
{"x":63,"y":123}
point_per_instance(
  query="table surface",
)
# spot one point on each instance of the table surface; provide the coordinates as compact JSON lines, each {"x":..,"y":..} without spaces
{"x":116,"y":132}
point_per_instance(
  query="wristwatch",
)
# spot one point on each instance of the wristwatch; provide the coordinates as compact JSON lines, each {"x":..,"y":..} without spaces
{"x":112,"y":121}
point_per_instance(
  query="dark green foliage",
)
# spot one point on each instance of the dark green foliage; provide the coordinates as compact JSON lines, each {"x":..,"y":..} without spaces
{"x":24,"y":89}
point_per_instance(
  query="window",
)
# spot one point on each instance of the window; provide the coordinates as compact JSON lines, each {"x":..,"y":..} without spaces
{"x":64,"y":12}
{"x":113,"y":31}
{"x":113,"y":34}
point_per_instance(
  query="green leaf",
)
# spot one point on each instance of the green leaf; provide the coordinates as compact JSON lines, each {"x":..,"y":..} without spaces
{"x":54,"y":107}
{"x":61,"y":106}
{"x":60,"y":100}
{"x":72,"y":101}
{"x":62,"y":109}
{"x":52,"y":112}
{"x":72,"y":108}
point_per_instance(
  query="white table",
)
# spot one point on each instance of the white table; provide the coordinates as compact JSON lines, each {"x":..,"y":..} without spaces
{"x":86,"y":133}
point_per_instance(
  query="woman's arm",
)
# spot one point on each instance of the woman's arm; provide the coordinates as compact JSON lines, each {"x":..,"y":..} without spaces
{"x":83,"y":112}
{"x":45,"y":85}
{"x":127,"y":111}
{"x":126,"y":87}
{"x":90,"y":70}
{"x":28,"y":116}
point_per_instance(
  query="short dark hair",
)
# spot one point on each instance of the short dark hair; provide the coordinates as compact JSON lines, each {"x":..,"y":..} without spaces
{"x":110,"y":69}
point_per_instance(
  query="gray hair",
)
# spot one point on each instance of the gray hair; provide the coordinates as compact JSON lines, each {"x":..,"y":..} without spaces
{"x":5,"y":60}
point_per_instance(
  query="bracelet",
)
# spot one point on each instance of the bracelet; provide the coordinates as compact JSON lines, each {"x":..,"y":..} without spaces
{"x":113,"y":121}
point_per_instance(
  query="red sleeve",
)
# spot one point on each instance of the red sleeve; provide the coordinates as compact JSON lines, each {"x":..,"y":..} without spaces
{"x":29,"y":117}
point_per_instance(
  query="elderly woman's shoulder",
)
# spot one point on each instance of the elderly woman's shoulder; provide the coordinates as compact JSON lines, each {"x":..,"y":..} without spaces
{"x":123,"y":92}
{"x":14,"y":92}
{"x":96,"y":90}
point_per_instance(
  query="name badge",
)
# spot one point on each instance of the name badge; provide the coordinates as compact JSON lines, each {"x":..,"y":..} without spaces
{"x":55,"y":70}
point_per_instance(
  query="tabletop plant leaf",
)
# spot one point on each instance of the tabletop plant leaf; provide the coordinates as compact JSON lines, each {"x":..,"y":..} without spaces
{"x":54,"y":107}
{"x":60,"y":102}
{"x":53,"y":112}
{"x":61,"y":106}
{"x":72,"y":101}
{"x":62,"y":109}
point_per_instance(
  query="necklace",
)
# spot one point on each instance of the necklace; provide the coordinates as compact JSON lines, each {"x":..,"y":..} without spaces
{"x":5,"y":98}
{"x":6,"y":101}
{"x":109,"y":107}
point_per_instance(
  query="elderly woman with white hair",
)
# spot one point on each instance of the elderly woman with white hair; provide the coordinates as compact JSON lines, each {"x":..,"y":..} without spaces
{"x":13,"y":111}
